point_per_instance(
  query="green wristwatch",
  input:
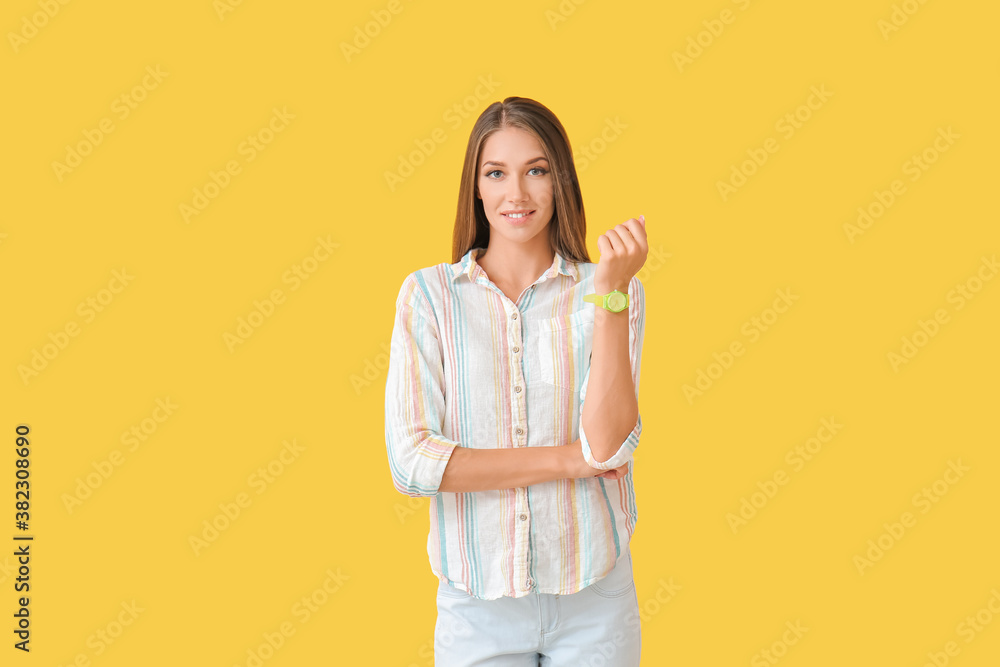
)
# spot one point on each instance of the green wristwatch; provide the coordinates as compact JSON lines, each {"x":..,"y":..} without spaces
{"x":614,"y":300}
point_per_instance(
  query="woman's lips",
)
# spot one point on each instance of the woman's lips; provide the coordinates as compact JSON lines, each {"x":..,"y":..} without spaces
{"x":518,"y":220}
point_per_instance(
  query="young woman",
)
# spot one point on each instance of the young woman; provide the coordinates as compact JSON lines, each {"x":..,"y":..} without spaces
{"x":511,"y":401}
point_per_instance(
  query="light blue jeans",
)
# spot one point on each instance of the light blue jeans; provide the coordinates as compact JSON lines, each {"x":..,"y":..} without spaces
{"x":595,"y":627}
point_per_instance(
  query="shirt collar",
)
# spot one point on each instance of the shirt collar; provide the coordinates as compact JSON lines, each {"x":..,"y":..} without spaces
{"x":468,"y":266}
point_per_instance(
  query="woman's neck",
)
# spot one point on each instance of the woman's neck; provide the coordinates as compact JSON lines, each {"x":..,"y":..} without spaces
{"x":513,"y":267}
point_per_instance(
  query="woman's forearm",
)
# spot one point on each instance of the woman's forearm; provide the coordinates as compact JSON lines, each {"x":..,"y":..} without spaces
{"x":610,"y":410}
{"x":487,"y":469}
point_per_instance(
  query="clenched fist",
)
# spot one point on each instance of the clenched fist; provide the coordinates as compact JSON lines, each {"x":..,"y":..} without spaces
{"x":623,"y":252}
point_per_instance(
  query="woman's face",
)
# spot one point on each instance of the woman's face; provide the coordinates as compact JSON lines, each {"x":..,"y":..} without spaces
{"x":515,"y":185}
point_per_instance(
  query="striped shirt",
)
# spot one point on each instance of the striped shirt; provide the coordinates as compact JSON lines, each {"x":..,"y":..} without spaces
{"x":470,"y":368}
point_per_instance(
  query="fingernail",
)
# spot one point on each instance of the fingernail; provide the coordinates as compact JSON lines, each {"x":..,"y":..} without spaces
{"x":642,"y":219}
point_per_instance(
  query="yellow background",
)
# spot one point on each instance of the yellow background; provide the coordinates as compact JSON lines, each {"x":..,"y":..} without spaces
{"x":313,"y":371}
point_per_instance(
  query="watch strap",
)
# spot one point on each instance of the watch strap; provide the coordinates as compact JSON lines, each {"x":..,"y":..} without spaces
{"x":603,"y":299}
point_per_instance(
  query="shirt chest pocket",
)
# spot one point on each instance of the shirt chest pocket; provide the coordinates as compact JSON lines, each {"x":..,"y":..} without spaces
{"x":564,"y":347}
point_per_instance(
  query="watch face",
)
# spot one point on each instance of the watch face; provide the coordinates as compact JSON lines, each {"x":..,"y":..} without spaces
{"x":617,"y":301}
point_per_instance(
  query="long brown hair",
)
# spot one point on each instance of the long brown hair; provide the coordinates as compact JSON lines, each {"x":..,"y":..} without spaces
{"x":568,"y":227}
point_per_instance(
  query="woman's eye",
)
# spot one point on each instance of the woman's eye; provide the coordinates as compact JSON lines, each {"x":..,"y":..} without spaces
{"x":541,"y":171}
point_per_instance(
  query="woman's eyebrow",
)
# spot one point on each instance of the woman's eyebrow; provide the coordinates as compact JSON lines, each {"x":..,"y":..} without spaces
{"x":501,"y":164}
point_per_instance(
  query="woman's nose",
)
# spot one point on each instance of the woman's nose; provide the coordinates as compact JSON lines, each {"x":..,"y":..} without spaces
{"x":516,"y":190}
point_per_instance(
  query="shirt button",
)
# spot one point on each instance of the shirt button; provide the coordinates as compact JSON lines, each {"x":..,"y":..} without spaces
{"x":514,"y":316}
{"x":517,"y":349}
{"x":523,"y":517}
{"x":519,"y":431}
{"x":517,"y":389}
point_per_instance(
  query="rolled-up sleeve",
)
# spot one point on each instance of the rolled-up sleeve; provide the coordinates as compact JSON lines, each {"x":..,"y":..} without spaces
{"x":636,"y":330}
{"x":415,"y":397}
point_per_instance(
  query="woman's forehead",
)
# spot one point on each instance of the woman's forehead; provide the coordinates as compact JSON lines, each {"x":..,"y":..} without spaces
{"x":511,"y":144}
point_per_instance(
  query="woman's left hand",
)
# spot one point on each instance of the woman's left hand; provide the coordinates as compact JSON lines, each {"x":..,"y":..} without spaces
{"x":614,"y":473}
{"x":623,"y":252}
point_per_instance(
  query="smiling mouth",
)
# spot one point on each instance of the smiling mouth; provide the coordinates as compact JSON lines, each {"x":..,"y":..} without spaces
{"x":518,"y":215}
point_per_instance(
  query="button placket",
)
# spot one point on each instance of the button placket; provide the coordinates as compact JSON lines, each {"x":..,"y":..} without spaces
{"x":524,"y":535}
{"x":518,"y":409}
{"x":522,"y":531}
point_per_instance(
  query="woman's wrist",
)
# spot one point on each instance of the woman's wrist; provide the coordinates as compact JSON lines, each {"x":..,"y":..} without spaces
{"x":603,"y":287}
{"x":574,"y":466}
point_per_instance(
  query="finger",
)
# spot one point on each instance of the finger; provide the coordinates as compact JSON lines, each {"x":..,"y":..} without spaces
{"x":616,"y":473}
{"x":614,"y":240}
{"x":628,"y":237}
{"x":638,"y":231}
{"x":604,"y":245}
